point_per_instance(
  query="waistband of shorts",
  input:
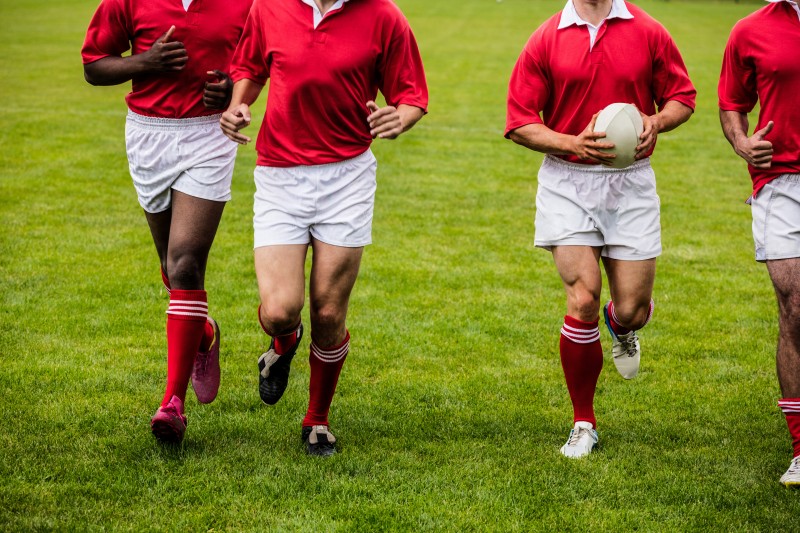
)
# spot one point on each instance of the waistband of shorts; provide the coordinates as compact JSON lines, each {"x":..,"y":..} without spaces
{"x":792,"y":178}
{"x":366,"y":154}
{"x":600,"y":169}
{"x":172,"y":123}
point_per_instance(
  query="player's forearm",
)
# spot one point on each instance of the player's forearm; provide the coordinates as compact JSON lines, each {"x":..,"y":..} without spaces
{"x":245,"y":91}
{"x":113,"y":70}
{"x":409,"y":115}
{"x":734,"y":126}
{"x":540,"y":138}
{"x":672,"y":115}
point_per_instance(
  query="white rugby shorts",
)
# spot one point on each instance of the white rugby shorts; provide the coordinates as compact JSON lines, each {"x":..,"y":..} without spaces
{"x":332,"y":203}
{"x":595,"y":205}
{"x":776,"y":219}
{"x":190,"y":155}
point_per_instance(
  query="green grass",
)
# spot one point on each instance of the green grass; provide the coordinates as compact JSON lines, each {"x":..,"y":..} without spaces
{"x":452,"y":404}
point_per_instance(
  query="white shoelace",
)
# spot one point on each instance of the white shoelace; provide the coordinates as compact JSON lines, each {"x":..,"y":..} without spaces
{"x":629,"y":343}
{"x":575,"y":436}
{"x":794,"y":467}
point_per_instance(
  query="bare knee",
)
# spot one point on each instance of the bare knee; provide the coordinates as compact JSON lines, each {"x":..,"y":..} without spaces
{"x":632,"y":315}
{"x":186,"y":270}
{"x":328,"y":324}
{"x":583,"y":305}
{"x":278,"y":317}
{"x":789,"y":306}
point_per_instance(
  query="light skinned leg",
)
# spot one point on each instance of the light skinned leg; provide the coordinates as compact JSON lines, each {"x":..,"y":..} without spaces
{"x":579,"y":269}
{"x":581,"y":359}
{"x":785,"y":275}
{"x":631,"y":286}
{"x":280,"y":270}
{"x":334,"y":270}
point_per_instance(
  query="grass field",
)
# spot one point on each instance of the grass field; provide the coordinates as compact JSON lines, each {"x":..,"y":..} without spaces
{"x":452,"y":405}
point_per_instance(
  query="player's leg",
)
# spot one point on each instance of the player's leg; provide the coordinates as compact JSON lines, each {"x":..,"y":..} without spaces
{"x":631,"y":286}
{"x":633,"y":242}
{"x":776,"y":219}
{"x":580,"y":349}
{"x":333,"y":274}
{"x":280,"y":270}
{"x":630,"y":309}
{"x":785,"y":275}
{"x":159,"y":224}
{"x":194,"y":224}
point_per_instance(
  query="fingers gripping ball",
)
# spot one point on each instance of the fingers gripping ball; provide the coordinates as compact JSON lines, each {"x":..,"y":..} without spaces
{"x":623,"y":125}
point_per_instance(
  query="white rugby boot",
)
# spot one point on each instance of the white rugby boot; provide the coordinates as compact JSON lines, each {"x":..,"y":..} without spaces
{"x":625,"y":349}
{"x":582,"y":440}
{"x":792,"y":476}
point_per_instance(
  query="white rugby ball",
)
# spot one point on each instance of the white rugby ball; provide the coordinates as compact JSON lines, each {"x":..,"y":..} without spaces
{"x":623,"y":126}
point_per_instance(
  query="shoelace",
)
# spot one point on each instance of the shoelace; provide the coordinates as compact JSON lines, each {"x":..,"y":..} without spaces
{"x":794,"y":468}
{"x":575,"y":436}
{"x":629,"y":344}
{"x":201,"y":367}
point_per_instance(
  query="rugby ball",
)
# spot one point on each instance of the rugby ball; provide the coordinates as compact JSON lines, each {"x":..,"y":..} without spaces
{"x":623,"y":126}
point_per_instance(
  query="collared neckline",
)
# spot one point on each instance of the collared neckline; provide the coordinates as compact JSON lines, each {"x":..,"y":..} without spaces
{"x":318,"y":14}
{"x":569,"y":15}
{"x":793,"y":4}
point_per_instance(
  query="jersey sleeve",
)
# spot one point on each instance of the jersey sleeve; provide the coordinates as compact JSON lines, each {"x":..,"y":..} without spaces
{"x":250,"y":58}
{"x":670,"y":77}
{"x":528,"y":89}
{"x":402,"y":77}
{"x":109,"y":32}
{"x":737,"y":81}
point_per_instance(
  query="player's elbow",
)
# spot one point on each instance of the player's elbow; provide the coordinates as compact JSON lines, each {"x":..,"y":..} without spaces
{"x":515,"y":136}
{"x":90,"y":76}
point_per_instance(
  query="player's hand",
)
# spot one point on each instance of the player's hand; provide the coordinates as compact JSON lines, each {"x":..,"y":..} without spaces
{"x":233,"y":120}
{"x":586,"y":145}
{"x":384,"y":122}
{"x":757,"y":150}
{"x":648,"y":137}
{"x":217,"y":95}
{"x":165,"y":55}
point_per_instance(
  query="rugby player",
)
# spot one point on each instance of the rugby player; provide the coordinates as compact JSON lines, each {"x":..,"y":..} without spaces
{"x":316,"y":175}
{"x":181,"y":164}
{"x":591,"y":54}
{"x":762,"y":67}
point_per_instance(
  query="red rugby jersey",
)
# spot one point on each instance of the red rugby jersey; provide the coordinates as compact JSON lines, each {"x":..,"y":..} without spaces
{"x":633,"y":61}
{"x":321,"y":79}
{"x":764,"y":65}
{"x":209,"y":30}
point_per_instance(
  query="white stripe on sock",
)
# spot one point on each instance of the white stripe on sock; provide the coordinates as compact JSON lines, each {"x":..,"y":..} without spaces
{"x":581,"y":336}
{"x":330,"y":356}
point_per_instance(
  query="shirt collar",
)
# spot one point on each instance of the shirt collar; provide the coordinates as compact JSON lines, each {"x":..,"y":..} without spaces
{"x":792,"y":2}
{"x":569,"y":15}
{"x":318,"y":14}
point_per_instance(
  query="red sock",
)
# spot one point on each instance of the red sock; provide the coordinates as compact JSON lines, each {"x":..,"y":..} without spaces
{"x":186,"y":320}
{"x":582,"y":360}
{"x":791,"y":409}
{"x":621,"y":330}
{"x":165,"y":280}
{"x":283,"y":343}
{"x":325,"y":367}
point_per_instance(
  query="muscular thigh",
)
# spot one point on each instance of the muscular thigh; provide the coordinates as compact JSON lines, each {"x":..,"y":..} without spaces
{"x":785,"y":275}
{"x":631,"y":284}
{"x":580,"y":272}
{"x":280,"y":270}
{"x":333,"y":274}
